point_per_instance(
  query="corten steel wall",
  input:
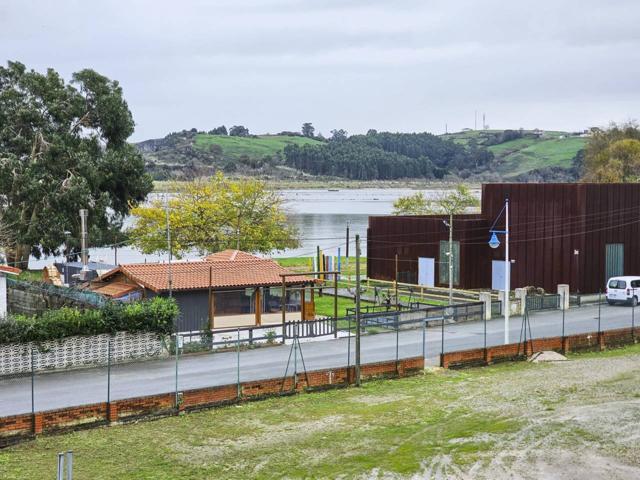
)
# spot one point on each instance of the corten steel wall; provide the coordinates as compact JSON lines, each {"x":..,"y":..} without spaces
{"x":550,"y":221}
{"x":547,"y":223}
{"x":412,"y":237}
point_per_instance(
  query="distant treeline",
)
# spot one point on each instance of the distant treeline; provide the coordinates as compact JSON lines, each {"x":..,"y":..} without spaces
{"x":384,"y":155}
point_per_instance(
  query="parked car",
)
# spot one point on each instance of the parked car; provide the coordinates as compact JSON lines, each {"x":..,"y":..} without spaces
{"x":623,"y":290}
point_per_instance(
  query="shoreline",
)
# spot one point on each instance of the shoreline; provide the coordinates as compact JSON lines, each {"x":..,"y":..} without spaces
{"x":163,"y":186}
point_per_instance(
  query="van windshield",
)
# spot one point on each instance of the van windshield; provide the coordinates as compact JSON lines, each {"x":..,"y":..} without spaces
{"x":617,"y":284}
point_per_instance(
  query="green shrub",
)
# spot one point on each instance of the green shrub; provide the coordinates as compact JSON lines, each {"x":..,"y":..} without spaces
{"x":155,"y":315}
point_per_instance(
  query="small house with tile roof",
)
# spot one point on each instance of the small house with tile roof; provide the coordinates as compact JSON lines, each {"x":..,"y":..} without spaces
{"x":224,"y":290}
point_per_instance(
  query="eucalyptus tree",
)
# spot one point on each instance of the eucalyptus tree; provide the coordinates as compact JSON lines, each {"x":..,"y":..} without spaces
{"x":63,"y":147}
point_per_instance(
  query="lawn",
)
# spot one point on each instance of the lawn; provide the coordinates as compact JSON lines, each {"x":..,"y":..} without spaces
{"x":576,"y":419}
{"x":253,"y":147}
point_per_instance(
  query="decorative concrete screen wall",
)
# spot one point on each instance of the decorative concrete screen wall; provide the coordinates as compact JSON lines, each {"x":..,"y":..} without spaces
{"x":79,"y":351}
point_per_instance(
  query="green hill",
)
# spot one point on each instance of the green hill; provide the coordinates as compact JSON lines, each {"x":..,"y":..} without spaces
{"x":253,"y":147}
{"x":533,"y":152}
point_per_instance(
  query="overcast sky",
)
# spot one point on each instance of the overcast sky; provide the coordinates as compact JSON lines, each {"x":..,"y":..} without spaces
{"x":390,"y":65}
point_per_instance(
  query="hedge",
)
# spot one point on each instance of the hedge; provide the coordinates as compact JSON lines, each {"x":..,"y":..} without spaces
{"x":155,"y":315}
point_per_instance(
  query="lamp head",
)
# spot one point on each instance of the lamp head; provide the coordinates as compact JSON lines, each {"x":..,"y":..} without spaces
{"x":493,"y":241}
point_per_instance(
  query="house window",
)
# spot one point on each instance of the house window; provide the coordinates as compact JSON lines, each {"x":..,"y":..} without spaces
{"x":444,"y":262}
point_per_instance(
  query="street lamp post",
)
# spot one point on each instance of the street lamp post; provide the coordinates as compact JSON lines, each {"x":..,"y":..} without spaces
{"x":495,"y":243}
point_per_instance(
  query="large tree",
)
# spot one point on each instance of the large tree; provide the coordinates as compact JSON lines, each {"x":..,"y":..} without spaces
{"x":215,"y":214}
{"x":613,"y":154}
{"x":63,"y":147}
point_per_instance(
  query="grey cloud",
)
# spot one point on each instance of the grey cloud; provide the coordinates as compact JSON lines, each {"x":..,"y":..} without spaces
{"x":398,"y":65}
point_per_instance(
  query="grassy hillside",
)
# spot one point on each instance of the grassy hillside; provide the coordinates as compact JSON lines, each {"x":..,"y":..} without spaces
{"x":252,"y":147}
{"x":523,"y":155}
{"x":526,"y":154}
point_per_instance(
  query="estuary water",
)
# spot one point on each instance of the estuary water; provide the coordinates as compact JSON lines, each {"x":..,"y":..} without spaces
{"x":321,"y":216}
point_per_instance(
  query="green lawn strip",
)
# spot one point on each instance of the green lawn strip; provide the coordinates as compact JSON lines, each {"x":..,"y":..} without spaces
{"x":392,"y":425}
{"x":396,"y":426}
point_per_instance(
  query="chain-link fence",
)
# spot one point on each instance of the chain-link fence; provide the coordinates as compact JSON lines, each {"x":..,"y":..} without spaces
{"x":191,"y":369}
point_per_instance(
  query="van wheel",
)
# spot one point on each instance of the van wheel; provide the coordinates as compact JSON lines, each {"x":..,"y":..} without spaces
{"x":634,"y":301}
{"x":611,"y":302}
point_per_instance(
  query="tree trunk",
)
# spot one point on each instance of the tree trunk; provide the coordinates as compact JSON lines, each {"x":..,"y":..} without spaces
{"x":18,"y":256}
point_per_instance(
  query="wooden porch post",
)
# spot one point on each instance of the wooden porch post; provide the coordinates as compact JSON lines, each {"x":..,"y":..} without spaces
{"x":258,"y":307}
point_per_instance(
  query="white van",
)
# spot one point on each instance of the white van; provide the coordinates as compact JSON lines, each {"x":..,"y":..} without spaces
{"x":623,"y":290}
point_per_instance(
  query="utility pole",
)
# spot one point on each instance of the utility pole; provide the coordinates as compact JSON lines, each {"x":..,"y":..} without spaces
{"x":358,"y":310}
{"x":450,"y":258}
{"x":170,"y":279}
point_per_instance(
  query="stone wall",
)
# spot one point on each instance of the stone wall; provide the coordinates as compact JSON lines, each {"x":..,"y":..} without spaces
{"x":79,"y":351}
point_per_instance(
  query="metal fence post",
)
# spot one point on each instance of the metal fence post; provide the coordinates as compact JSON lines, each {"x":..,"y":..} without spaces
{"x":442,"y":342}
{"x":108,"y":372}
{"x":295,"y":356}
{"x":70,"y":465}
{"x":484,"y":316}
{"x":60,"y":475}
{"x":397,"y":341}
{"x":633,"y":320}
{"x":599,"y":308}
{"x":424,"y":340}
{"x":563,"y":312}
{"x":238,"y":364}
{"x":348,"y":350}
{"x":177,"y":347}
{"x":33,"y":390}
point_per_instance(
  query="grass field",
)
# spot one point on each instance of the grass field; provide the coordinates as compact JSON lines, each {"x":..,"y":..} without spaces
{"x":253,"y":147}
{"x":575,"y":419}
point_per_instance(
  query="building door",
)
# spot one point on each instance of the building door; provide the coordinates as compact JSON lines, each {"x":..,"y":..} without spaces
{"x":497,"y":274}
{"x":614,"y":261}
{"x":426,"y":271}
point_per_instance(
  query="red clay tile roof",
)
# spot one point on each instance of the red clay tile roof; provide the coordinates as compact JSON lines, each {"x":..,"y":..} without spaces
{"x":11,"y":270}
{"x":195,"y":275}
{"x":231,"y":255}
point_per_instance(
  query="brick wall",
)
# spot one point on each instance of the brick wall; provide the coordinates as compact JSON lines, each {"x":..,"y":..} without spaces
{"x":513,"y":351}
{"x":20,"y":427}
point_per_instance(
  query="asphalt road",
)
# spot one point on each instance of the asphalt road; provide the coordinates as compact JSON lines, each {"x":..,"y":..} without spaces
{"x":79,"y":387}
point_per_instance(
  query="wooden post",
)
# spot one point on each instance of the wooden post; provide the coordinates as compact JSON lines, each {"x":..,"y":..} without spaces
{"x":210,"y":298}
{"x":258,"y":307}
{"x":284,"y":307}
{"x":303,"y":304}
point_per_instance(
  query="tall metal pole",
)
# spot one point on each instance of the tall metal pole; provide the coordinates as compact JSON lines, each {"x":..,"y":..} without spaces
{"x":507,"y":275}
{"x":451,"y":258}
{"x":563,"y":309}
{"x":358,"y":310}
{"x":238,"y":364}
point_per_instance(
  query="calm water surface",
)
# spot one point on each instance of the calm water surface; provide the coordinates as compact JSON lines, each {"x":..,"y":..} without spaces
{"x":320,"y":215}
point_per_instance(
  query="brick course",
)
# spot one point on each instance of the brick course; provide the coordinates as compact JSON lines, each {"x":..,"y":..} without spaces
{"x":20,"y":427}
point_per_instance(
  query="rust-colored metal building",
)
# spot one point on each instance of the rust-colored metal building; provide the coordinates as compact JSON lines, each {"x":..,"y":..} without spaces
{"x":574,"y":233}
